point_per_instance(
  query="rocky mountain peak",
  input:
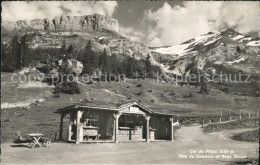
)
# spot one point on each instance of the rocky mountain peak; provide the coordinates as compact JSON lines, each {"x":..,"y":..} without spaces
{"x":229,"y":32}
{"x":64,"y":23}
{"x":224,"y":50}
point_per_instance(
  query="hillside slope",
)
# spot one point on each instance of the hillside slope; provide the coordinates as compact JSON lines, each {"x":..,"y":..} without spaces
{"x":102,"y":31}
{"x":39,"y":114}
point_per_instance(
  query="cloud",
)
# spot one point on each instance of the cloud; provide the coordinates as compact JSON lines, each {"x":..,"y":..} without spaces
{"x":173,"y":25}
{"x":244,"y":17}
{"x":164,"y":25}
{"x":20,"y":10}
{"x":177,"y":24}
{"x":132,"y":33}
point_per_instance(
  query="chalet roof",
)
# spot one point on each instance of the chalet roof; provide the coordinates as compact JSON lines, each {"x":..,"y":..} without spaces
{"x":114,"y":106}
{"x":162,"y":111}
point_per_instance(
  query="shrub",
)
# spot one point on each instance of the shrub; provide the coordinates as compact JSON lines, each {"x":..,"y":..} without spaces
{"x":225,"y":89}
{"x":73,"y":88}
{"x":57,"y":89}
{"x":67,"y":87}
{"x":187,"y":95}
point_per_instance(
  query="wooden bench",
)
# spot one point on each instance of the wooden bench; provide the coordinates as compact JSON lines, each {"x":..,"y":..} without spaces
{"x":90,"y":132}
{"x":94,"y":137}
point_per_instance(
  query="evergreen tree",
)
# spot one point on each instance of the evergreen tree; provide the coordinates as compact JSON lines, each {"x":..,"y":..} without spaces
{"x":148,"y":66}
{"x":25,"y":59}
{"x":104,"y":62}
{"x":8,"y":63}
{"x":116,"y":65}
{"x":88,"y":59}
{"x":203,"y":83}
{"x":130,"y":67}
{"x":63,"y":48}
{"x":16,"y":51}
{"x":70,"y":50}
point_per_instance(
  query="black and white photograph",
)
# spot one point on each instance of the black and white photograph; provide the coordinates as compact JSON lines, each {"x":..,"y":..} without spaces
{"x":130,"y":82}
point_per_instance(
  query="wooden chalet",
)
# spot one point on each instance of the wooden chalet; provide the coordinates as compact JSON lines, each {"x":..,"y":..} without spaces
{"x":91,"y":121}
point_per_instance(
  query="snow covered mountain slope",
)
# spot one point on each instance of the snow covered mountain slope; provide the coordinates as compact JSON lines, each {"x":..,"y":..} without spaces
{"x":227,"y":51}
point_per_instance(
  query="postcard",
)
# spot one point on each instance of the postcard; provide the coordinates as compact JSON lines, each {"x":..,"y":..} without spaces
{"x":130,"y":82}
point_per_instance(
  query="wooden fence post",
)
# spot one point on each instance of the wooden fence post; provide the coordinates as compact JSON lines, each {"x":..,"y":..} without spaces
{"x":240,"y":117}
{"x":249,"y":115}
{"x":220,"y":120}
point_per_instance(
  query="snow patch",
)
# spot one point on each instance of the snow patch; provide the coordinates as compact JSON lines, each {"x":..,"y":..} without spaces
{"x":180,"y":50}
{"x":238,"y":37}
{"x":124,"y":35}
{"x":236,"y":61}
{"x":253,"y":43}
{"x":202,"y":39}
{"x":245,"y":39}
{"x":210,"y":42}
{"x":218,"y":62}
{"x":183,"y":49}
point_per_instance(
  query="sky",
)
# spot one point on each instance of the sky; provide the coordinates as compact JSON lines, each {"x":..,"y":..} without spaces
{"x":156,"y":23}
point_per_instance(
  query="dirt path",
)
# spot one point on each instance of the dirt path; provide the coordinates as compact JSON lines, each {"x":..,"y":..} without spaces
{"x":188,"y":138}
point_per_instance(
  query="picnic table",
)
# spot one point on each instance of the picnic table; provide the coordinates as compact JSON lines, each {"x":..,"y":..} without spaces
{"x":36,"y":140}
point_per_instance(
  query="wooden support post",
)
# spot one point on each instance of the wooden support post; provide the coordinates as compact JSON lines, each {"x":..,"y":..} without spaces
{"x":171,"y":120}
{"x":240,"y":116}
{"x":220,"y":120}
{"x":78,"y":126}
{"x":116,"y":118}
{"x":249,"y":115}
{"x":70,"y":127}
{"x":230,"y":118}
{"x":61,"y":126}
{"x":116,"y":128}
{"x":147,"y":128}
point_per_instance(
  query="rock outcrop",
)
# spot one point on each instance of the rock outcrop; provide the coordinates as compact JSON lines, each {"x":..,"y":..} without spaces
{"x":102,"y":31}
{"x":65,"y":23}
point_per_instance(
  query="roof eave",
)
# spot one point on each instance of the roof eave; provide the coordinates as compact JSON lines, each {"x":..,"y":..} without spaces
{"x":75,"y":107}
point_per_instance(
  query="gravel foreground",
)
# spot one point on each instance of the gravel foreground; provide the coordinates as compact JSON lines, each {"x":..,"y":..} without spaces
{"x":190,"y":141}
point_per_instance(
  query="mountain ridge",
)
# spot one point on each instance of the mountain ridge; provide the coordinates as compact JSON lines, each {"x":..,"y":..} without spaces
{"x":225,"y":49}
{"x":72,"y":23}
